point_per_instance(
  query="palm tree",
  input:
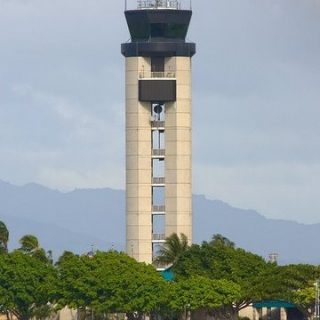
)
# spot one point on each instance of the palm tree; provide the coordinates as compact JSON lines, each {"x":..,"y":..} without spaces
{"x":172,"y":249}
{"x":219,"y":240}
{"x":4,"y":237}
{"x":29,"y":243}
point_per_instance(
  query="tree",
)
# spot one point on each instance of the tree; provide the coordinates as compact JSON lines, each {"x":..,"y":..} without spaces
{"x":128,"y":286}
{"x":219,"y":260}
{"x":201,"y":293}
{"x":305,"y":300}
{"x":172,"y":249}
{"x":26,"y":285}
{"x":296,"y":283}
{"x":108,"y":283}
{"x":75,"y":286}
{"x":4,"y":238}
{"x":29,"y":244}
{"x":221,"y":240}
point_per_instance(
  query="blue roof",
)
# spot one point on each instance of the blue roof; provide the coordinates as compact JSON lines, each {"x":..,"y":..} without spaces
{"x":273,"y":304}
{"x":167,"y":274}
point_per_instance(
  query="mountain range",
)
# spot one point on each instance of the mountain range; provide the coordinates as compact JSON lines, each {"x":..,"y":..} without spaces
{"x":86,"y":218}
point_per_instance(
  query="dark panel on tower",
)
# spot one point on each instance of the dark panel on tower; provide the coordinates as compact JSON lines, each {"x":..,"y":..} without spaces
{"x":150,"y":49}
{"x":157,"y":90}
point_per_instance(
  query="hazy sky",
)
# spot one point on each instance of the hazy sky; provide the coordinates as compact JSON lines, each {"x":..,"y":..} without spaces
{"x":256,"y":97}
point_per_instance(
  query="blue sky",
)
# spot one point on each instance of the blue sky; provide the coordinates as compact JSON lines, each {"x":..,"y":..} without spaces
{"x":256,"y":95}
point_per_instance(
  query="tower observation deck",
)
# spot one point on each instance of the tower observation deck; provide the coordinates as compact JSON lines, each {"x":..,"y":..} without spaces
{"x":158,"y":126}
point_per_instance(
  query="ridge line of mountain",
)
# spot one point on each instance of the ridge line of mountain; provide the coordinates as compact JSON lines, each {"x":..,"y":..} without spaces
{"x":76,"y":219}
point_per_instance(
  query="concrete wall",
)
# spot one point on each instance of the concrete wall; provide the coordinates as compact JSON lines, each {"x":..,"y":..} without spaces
{"x":138,"y":165}
{"x":178,"y":175}
{"x":178,"y":152}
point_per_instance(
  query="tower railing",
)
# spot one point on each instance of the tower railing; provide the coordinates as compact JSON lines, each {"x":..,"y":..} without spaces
{"x":158,"y":152}
{"x":164,"y":74}
{"x":156,"y":124}
{"x":158,"y":208}
{"x":158,"y":236}
{"x":158,"y":180}
{"x":159,"y":4}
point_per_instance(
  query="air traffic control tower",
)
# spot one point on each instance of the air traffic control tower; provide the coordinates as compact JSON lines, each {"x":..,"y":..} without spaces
{"x":158,"y":126}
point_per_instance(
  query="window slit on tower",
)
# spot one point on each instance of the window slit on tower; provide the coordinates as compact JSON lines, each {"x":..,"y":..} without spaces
{"x":158,"y":168}
{"x":158,"y":196}
{"x":156,"y":247}
{"x":158,"y":132}
{"x":157,"y":64}
{"x":158,"y":227}
{"x":158,"y":139}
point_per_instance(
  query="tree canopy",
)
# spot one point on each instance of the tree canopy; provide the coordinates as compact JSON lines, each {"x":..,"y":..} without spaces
{"x":29,"y":244}
{"x":215,"y":277}
{"x":108,"y":282}
{"x":26,"y":285}
{"x":199,"y":292}
{"x":4,"y":238}
{"x":221,"y":260}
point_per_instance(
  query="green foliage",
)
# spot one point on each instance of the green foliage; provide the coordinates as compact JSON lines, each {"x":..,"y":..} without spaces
{"x":202,"y":293}
{"x":219,"y":260}
{"x":304,"y":299}
{"x":29,"y":244}
{"x":172,"y":249}
{"x":214,"y":277}
{"x":73,"y":288}
{"x":4,"y":238}
{"x":220,"y":240}
{"x":285,"y":281}
{"x":296,"y":284}
{"x":257,"y":279}
{"x":26,"y":285}
{"x":108,"y":282}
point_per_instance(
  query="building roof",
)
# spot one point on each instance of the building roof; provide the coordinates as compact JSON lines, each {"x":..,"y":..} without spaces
{"x":274,"y":304}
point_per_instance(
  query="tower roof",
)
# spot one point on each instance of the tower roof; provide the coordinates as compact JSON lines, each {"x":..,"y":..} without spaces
{"x":158,"y":28}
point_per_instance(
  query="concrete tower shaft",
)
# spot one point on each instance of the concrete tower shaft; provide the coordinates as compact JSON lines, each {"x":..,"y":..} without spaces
{"x":158,"y":126}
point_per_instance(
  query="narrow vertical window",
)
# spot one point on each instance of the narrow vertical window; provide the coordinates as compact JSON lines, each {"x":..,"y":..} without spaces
{"x":157,"y":64}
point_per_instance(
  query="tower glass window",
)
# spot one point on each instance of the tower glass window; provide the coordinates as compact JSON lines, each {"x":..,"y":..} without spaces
{"x":158,"y":196}
{"x":158,"y":225}
{"x":158,"y":139}
{"x":158,"y":168}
